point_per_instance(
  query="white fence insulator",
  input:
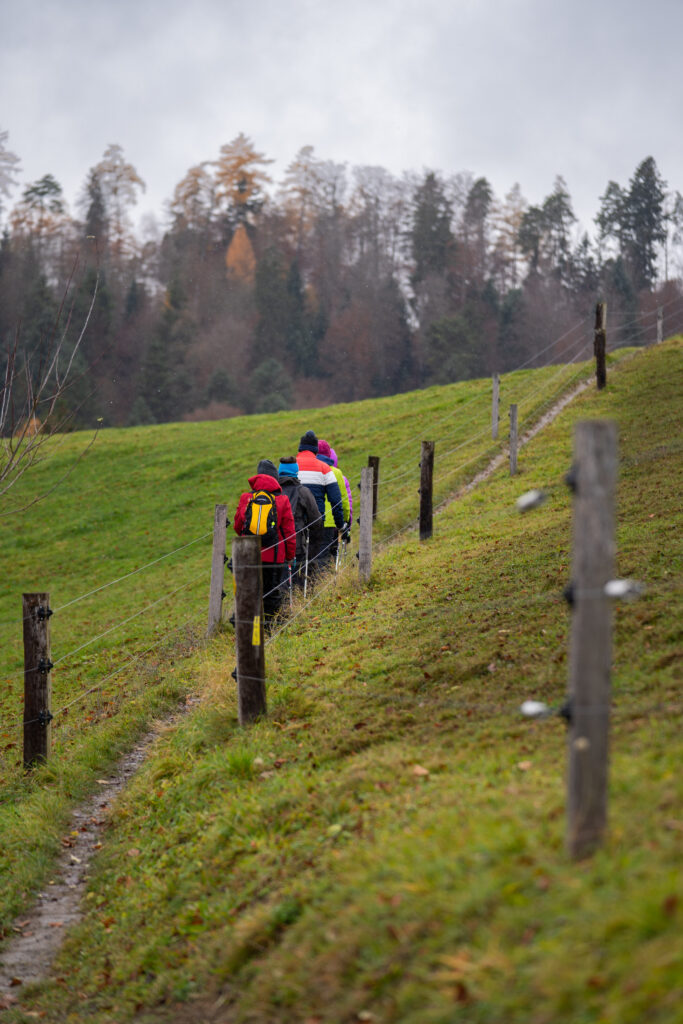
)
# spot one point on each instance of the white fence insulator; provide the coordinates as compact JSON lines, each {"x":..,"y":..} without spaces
{"x":623,"y":590}
{"x":529,"y":500}
{"x":535,"y":709}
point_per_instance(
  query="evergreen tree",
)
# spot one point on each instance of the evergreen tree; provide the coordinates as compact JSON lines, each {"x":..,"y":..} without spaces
{"x":431,"y":236}
{"x":646,"y":222}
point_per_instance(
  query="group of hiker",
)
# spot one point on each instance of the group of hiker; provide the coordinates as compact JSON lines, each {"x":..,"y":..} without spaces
{"x":301,"y":509}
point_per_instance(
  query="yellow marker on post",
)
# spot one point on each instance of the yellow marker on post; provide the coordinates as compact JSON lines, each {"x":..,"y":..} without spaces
{"x":256,"y":633}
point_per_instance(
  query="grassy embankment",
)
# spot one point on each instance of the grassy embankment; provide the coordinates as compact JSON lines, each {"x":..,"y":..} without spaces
{"x":388,"y":845}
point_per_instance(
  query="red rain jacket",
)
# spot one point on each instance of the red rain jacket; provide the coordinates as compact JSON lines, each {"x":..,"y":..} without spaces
{"x":285,"y":549}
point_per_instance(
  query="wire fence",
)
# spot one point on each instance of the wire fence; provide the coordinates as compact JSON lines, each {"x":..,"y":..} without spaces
{"x":577,"y":347}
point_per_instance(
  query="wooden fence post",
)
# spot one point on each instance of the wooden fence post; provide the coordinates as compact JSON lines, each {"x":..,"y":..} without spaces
{"x":600,"y":345}
{"x":216,"y":593}
{"x":590,"y":653}
{"x":426,"y":489}
{"x":249,"y":649}
{"x":495,"y":398}
{"x":37,"y":680}
{"x":373,"y":462}
{"x":513,"y":440}
{"x":365,"y":518}
{"x":660,"y":325}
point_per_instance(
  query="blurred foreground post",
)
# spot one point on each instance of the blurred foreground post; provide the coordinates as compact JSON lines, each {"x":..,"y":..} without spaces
{"x":365,"y":543}
{"x":590,"y":654}
{"x":249,"y":650}
{"x":37,"y":681}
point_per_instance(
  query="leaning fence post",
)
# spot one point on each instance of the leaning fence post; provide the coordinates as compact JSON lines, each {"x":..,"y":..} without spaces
{"x":216,"y":593}
{"x":365,"y":519}
{"x":660,"y":325}
{"x":593,"y":479}
{"x":373,"y":462}
{"x":426,"y":488}
{"x":513,"y":440}
{"x":37,"y":680}
{"x":600,"y":345}
{"x":495,"y":397}
{"x":249,"y":649}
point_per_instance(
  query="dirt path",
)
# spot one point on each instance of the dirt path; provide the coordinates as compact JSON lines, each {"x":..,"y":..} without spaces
{"x":503,"y":456}
{"x":39,"y":932}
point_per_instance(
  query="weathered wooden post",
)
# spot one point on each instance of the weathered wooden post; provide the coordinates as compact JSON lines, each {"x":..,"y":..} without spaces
{"x":37,"y":680}
{"x":216,"y":593}
{"x":600,"y":345}
{"x":426,"y":489}
{"x":365,"y":542}
{"x":513,"y":440}
{"x":249,"y":648}
{"x":590,"y":654}
{"x":660,"y":325}
{"x":373,"y":462}
{"x":495,"y":398}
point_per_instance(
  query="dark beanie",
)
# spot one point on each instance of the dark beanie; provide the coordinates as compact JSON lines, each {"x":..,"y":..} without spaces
{"x":267,"y":467}
{"x":309,"y":443}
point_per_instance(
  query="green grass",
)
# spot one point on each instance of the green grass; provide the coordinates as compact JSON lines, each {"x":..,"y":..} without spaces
{"x":388,"y":844}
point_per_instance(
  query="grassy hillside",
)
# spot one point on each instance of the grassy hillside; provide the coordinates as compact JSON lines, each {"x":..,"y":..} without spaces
{"x":143,"y":499}
{"x":388,"y":845}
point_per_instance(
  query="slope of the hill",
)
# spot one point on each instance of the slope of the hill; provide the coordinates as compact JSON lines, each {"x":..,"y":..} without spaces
{"x":122,"y":538}
{"x":388,"y":844}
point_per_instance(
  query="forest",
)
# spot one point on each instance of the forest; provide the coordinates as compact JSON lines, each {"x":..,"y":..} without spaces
{"x":333,"y":284}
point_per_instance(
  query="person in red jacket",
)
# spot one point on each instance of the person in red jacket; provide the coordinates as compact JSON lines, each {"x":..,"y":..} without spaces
{"x":273,"y":557}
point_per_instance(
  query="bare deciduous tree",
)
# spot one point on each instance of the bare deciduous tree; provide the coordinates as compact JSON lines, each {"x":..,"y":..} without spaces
{"x":32,"y":387}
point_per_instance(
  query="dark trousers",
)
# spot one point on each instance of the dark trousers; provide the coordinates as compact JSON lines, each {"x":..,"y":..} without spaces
{"x":274,"y":584}
{"x":328,"y":547}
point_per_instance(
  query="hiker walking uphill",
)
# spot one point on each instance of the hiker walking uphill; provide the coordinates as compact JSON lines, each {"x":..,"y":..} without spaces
{"x":265,"y":512}
{"x":330,"y":543}
{"x":307,"y":518}
{"x":320,"y":479}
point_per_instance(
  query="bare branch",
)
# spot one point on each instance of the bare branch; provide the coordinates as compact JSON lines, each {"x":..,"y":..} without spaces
{"x":25,"y":394}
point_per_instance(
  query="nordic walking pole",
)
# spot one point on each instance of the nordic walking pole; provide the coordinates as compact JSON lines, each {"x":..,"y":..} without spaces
{"x":336,"y":561}
{"x":291,"y":599}
{"x":306,"y":538}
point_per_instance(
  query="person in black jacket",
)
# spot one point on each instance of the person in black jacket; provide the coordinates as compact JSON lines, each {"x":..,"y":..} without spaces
{"x":306,"y":515}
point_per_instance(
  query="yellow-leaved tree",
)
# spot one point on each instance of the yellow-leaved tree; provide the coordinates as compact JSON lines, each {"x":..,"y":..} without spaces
{"x":239,"y":258}
{"x":240,"y":178}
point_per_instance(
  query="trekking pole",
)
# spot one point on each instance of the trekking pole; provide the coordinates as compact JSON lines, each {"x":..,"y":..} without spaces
{"x":291,"y":599}
{"x":306,"y":565}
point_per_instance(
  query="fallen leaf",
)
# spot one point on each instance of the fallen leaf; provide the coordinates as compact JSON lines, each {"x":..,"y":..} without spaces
{"x":670,"y":905}
{"x":134,"y":852}
{"x":420,"y":771}
{"x":524,"y":766}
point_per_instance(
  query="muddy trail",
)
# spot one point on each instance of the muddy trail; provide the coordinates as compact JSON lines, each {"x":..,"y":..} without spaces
{"x":39,"y":932}
{"x":28,"y":957}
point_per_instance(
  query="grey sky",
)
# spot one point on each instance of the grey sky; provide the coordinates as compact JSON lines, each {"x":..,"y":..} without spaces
{"x":513,"y":90}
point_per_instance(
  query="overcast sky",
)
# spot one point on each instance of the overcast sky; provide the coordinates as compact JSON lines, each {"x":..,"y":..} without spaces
{"x":513,"y":90}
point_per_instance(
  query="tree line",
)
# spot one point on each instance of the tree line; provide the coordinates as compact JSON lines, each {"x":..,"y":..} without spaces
{"x":331,"y":285}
